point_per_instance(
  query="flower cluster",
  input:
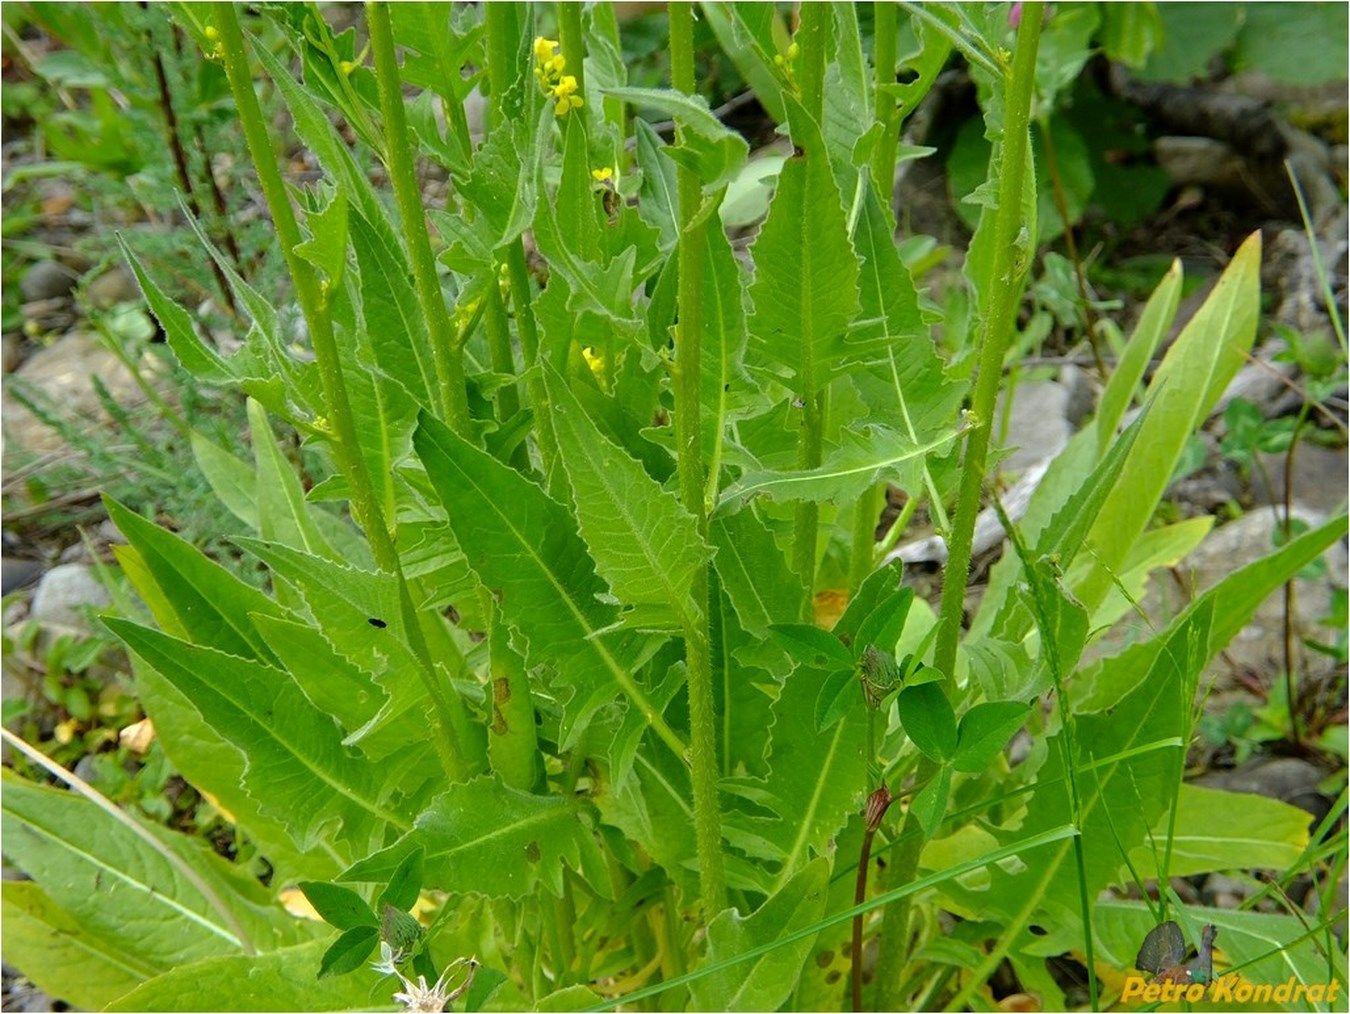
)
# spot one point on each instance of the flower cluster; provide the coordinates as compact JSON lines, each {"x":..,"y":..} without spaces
{"x":561,"y":88}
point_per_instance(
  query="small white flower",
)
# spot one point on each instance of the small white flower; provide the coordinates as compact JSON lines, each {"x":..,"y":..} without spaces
{"x":388,"y":959}
{"x":416,"y":996}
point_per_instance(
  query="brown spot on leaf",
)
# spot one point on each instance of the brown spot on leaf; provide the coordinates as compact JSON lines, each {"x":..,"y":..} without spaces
{"x":532,"y":852}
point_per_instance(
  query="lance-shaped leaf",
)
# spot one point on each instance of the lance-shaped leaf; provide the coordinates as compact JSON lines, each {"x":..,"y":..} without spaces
{"x":102,"y":874}
{"x":815,"y":780}
{"x":286,"y":979}
{"x":523,"y":546}
{"x":805,"y":292}
{"x":864,"y":458}
{"x":207,"y":602}
{"x":44,"y":942}
{"x":765,"y":982}
{"x":297,"y":767}
{"x":890,"y":315}
{"x":483,"y":837}
{"x":727,"y":390}
{"x":754,"y":572}
{"x":645,"y":544}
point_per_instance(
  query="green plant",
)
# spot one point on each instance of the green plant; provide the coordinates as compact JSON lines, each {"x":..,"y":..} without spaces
{"x":549,"y":710}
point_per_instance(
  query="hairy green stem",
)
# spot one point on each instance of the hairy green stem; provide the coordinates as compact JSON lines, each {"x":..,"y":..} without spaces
{"x":502,"y":38}
{"x":446,"y":354}
{"x":813,"y":34}
{"x":862,"y":549}
{"x":893,"y":953}
{"x":996,"y":330}
{"x":688,"y":338}
{"x":313,"y":301}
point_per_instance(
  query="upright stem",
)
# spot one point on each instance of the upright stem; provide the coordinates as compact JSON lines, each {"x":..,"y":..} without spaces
{"x":445,"y":352}
{"x":813,"y":35}
{"x":346,"y":447}
{"x":688,"y":336}
{"x":868,"y":508}
{"x":893,"y":951}
{"x":501,"y":50}
{"x":996,"y":330}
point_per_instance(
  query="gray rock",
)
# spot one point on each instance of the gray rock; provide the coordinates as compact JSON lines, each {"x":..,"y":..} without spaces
{"x":1038,"y":427}
{"x":63,"y":373}
{"x":11,"y":353}
{"x":1319,"y":478}
{"x":1223,"y":891}
{"x":1258,"y":647}
{"x":15,"y":573}
{"x":47,"y":280}
{"x":64,"y":592}
{"x":114,"y":286}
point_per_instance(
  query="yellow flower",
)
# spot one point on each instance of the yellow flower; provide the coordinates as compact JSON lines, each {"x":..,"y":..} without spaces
{"x":211,"y":32}
{"x":65,"y":732}
{"x":565,"y":87}
{"x":556,"y":65}
{"x":595,"y":362}
{"x":544,"y":49}
{"x":346,"y":66}
{"x":565,"y":105}
{"x":601,"y":175}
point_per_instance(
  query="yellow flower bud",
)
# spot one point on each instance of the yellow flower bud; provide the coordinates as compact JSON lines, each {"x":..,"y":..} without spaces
{"x":601,"y":175}
{"x":346,"y":66}
{"x":565,"y":87}
{"x":793,"y":50}
{"x":212,"y":33}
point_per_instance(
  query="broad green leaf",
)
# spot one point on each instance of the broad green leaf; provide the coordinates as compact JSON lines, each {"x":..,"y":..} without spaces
{"x":390,"y":312}
{"x":195,"y":356}
{"x":889,"y":313}
{"x":232,"y":481}
{"x":811,"y":646}
{"x":815,"y":780}
{"x":1197,"y":368}
{"x":750,"y":50}
{"x":326,"y":247}
{"x":765,"y":982}
{"x":1059,"y":515}
{"x":406,"y":883}
{"x":878,"y":604}
{"x":211,"y":604}
{"x":340,"y":907}
{"x":359,"y":614}
{"x":754,"y":572}
{"x":349,"y":951}
{"x":653,"y":809}
{"x":483,"y":837}
{"x":727,"y":391}
{"x":283,"y":514}
{"x":710,"y":149}
{"x":985,"y":731}
{"x":524,"y":546}
{"x":864,"y":459}
{"x":805,"y":290}
{"x":928,"y":720}
{"x":1154,"y":321}
{"x":657,"y":200}
{"x":46,"y":943}
{"x":99,"y":872}
{"x":1233,"y":600}
{"x":287,"y":979}
{"x":645,"y":544}
{"x":1135,"y":787}
{"x":298,"y":769}
{"x":1217,"y":831}
{"x":930,"y":804}
{"x":1157,"y":547}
